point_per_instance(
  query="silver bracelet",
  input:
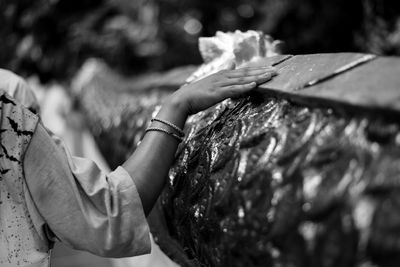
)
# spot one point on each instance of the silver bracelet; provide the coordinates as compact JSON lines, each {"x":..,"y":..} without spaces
{"x":173,"y":126}
{"x":157,"y":129}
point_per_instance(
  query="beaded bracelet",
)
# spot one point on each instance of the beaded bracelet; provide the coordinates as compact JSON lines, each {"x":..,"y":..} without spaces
{"x":179,"y":138}
{"x":173,"y":126}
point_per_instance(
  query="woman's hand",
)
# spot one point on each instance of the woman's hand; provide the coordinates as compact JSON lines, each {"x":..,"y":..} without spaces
{"x":212,"y":89}
{"x":149,"y":164}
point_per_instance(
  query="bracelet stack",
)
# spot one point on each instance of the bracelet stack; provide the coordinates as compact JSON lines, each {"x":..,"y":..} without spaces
{"x":179,"y":135}
{"x":173,"y":126}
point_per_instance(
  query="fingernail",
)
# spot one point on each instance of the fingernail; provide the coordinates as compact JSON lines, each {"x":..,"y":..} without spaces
{"x":267,"y":74}
{"x":273,"y":72}
{"x":270,"y":67}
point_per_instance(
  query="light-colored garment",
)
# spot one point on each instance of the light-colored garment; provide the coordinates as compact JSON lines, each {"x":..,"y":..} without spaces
{"x":16,"y":87}
{"x":82,"y":206}
{"x":69,"y":199}
{"x":157,"y":258}
{"x":20,"y":243}
{"x":55,"y":113}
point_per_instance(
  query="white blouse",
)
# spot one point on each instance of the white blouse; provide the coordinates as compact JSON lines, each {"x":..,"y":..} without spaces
{"x":49,"y":195}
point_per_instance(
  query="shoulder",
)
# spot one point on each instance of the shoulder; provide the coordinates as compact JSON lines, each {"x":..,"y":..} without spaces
{"x":17,"y":88}
{"x":10,"y":81}
{"x":17,"y":122}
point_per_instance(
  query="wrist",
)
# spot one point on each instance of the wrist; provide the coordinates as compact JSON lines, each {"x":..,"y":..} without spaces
{"x":174,"y":110}
{"x":177,"y":103}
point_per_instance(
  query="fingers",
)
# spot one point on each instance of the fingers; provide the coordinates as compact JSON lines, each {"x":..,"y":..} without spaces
{"x":241,"y":81}
{"x":265,"y":78}
{"x":238,"y":73}
{"x":238,"y":89}
{"x":259,"y":78}
{"x":262,"y":78}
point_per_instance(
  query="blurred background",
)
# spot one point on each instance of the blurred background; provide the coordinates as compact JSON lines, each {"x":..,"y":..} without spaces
{"x":47,"y":42}
{"x":52,"y":38}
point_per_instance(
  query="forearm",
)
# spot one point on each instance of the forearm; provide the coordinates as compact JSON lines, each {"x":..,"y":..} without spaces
{"x":150,"y":163}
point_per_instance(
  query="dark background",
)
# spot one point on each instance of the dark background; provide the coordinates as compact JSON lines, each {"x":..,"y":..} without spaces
{"x":52,"y":38}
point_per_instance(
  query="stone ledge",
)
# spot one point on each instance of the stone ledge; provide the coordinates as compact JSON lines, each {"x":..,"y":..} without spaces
{"x":372,"y":86}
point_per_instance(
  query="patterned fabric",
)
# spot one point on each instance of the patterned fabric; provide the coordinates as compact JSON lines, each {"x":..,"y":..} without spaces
{"x":18,"y":89}
{"x":46,"y":195}
{"x":20,"y":242}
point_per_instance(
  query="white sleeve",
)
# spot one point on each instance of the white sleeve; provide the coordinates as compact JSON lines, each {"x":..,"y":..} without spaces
{"x":84,"y":207}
